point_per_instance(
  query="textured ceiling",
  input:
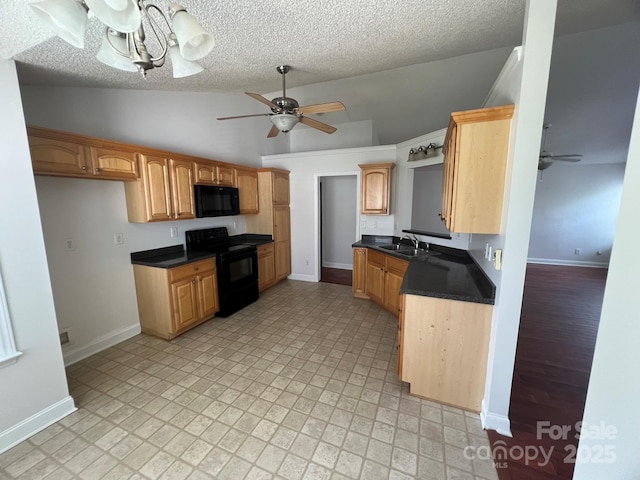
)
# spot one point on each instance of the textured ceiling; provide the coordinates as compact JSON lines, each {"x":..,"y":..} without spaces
{"x":376,"y":56}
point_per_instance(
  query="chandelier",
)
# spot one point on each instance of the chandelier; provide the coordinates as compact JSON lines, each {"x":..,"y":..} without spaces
{"x":176,"y":33}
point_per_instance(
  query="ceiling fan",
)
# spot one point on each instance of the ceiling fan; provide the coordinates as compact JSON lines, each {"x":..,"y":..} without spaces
{"x":546,"y":158}
{"x":287,"y":112}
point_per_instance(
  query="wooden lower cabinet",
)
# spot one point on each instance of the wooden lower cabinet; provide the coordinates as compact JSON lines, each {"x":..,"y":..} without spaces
{"x":173,"y":300}
{"x":359,"y":276}
{"x":443,"y":349}
{"x":384,"y":276}
{"x":266,"y":266}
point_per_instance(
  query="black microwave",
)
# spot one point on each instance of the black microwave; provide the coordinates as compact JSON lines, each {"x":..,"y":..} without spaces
{"x":214,"y":201}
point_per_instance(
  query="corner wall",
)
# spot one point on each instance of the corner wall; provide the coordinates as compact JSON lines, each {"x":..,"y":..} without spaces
{"x":34,"y":391}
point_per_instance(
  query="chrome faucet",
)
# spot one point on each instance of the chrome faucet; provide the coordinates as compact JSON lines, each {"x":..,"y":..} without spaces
{"x":413,"y":239}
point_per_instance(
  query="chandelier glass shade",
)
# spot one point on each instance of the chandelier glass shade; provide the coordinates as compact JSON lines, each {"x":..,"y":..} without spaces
{"x":176,"y":33}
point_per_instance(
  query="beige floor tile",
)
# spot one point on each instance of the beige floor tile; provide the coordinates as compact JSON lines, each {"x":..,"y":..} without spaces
{"x":300,"y":385}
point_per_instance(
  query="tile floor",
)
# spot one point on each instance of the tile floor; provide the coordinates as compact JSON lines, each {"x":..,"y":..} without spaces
{"x":300,"y":385}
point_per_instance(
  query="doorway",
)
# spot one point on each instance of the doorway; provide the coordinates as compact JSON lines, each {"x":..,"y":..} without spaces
{"x":338,"y":227}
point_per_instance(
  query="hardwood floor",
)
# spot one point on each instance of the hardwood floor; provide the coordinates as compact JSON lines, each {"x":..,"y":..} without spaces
{"x":336,"y":275}
{"x":558,"y":327}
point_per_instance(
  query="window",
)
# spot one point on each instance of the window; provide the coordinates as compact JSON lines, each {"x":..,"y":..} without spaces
{"x":8,"y":352}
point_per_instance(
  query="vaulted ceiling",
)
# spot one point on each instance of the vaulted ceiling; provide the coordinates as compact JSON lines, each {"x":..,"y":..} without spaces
{"x":396,"y":63}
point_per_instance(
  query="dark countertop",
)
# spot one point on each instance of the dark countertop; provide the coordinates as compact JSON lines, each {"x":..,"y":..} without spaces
{"x":168,"y":257}
{"x":448,"y":273}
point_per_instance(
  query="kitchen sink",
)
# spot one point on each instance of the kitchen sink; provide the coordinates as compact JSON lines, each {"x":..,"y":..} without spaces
{"x":404,"y":249}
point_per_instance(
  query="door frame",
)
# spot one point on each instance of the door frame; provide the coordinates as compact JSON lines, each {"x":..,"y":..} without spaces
{"x":317,"y":242}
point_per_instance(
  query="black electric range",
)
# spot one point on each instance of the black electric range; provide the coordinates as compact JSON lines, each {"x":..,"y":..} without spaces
{"x":236,"y":266}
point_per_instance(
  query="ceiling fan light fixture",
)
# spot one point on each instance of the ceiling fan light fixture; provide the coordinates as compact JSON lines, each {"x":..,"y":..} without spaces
{"x":284,"y":121}
{"x":67,"y":17}
{"x":195,"y":42}
{"x":121,"y":15}
{"x":114,"y":51}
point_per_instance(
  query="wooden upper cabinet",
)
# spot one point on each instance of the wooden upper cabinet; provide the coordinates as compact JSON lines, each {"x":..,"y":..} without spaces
{"x":56,"y":157}
{"x":182,"y":189}
{"x":149,"y":199}
{"x":114,"y":164}
{"x":247,"y":182}
{"x":375,"y":190}
{"x":280,"y":187}
{"x":210,"y":173}
{"x":163,"y":192}
{"x":69,"y":155}
{"x":475,"y":149}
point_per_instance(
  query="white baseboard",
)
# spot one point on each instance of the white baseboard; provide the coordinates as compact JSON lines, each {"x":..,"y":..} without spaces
{"x":493,"y":421}
{"x":568,"y":263}
{"x":303,"y":278}
{"x":35,"y":423}
{"x":103,"y":342}
{"x":341,"y":266}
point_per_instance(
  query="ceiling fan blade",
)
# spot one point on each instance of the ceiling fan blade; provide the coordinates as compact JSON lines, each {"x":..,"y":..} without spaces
{"x":273,"y":132}
{"x":323,"y":127}
{"x":322,"y":108}
{"x":261,"y":99}
{"x":567,"y":158}
{"x":245,"y":116}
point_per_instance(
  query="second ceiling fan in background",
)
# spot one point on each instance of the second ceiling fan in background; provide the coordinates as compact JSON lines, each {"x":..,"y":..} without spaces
{"x":287,"y":113}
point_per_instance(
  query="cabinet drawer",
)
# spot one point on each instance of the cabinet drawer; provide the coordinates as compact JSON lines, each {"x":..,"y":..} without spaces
{"x":396,"y":265}
{"x":191,"y":269}
{"x":265,"y":249}
{"x":376,"y":258}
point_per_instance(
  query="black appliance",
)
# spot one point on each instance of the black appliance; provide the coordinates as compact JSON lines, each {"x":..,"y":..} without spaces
{"x":212,"y":201}
{"x":236,"y":266}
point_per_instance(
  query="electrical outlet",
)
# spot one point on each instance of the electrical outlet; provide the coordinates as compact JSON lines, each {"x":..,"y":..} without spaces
{"x":363,"y":224}
{"x":306,"y":262}
{"x":497,"y":259}
{"x":64,"y":338}
{"x":374,"y":224}
{"x":69,"y":245}
{"x":118,"y":238}
{"x":578,"y":251}
{"x":235,"y":225}
{"x":173,"y":232}
{"x":490,"y":253}
{"x":486,"y":251}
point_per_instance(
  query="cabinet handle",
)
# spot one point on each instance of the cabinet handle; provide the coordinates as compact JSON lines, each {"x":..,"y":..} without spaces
{"x":98,"y":169}
{"x":196,"y":269}
{"x":83,"y":167}
{"x":193,"y":281}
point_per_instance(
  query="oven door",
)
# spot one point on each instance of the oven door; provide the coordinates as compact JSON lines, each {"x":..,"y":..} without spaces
{"x":237,"y":271}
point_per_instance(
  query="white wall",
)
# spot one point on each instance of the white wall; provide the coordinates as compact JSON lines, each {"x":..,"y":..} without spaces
{"x":339,"y":220}
{"x":34,"y":390}
{"x":427,"y":200}
{"x":614,"y":386}
{"x":306,"y":168}
{"x":523,"y":82}
{"x":576,"y":206}
{"x":87,"y":280}
{"x":348,"y":135}
{"x":175,"y":121}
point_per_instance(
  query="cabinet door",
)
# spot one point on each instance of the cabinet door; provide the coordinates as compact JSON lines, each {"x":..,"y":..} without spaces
{"x":447,"y":180}
{"x":113,"y":164}
{"x":266,"y":266}
{"x":207,"y":294}
{"x":280,"y":185}
{"x":205,"y":174}
{"x":247,"y":181}
{"x":53,"y":157}
{"x":375,"y":189}
{"x":281,"y":224}
{"x":283,"y":260}
{"x":226,"y":176}
{"x":185,"y":304}
{"x":157,"y":194}
{"x":375,"y":276}
{"x":182,"y":189}
{"x":359,"y":279}
{"x":392,"y":283}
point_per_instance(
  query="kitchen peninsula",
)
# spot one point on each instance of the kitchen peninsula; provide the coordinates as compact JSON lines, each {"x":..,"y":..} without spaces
{"x":444,"y":307}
